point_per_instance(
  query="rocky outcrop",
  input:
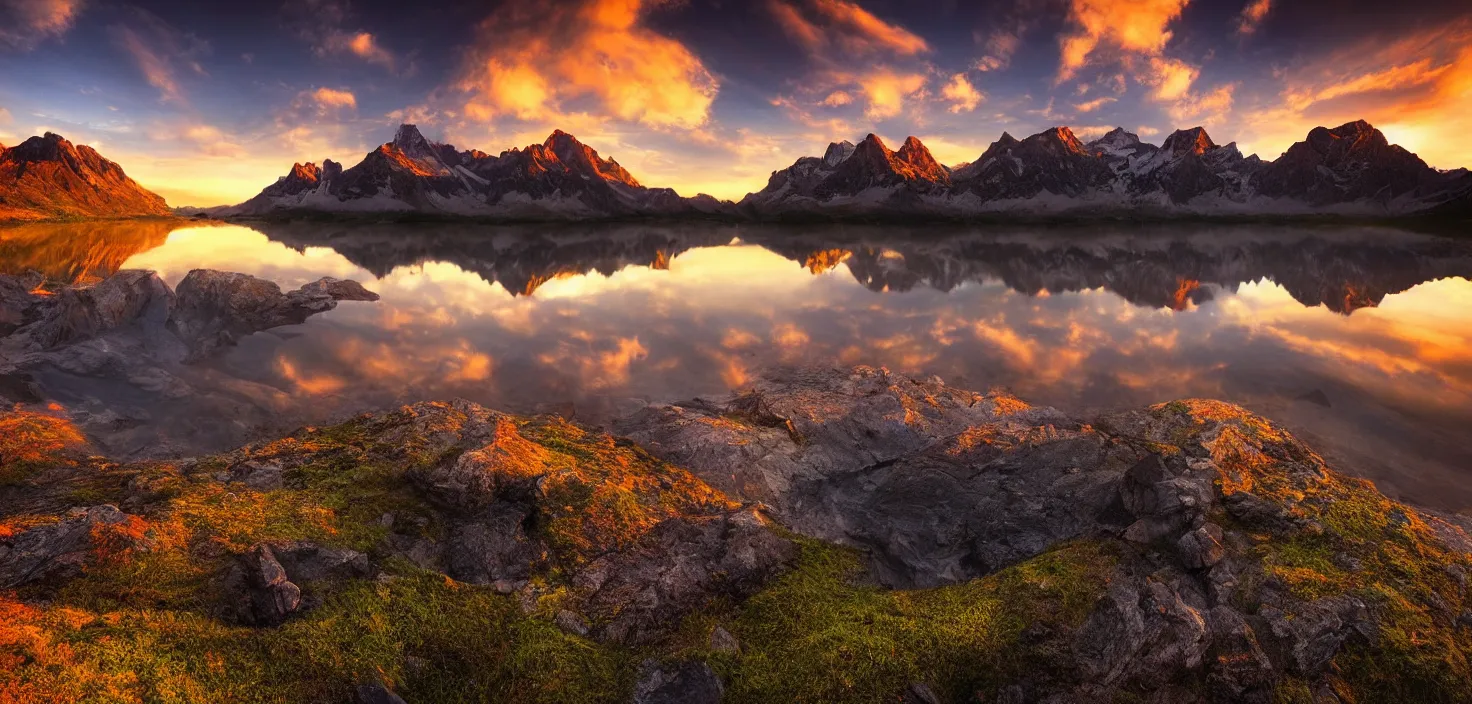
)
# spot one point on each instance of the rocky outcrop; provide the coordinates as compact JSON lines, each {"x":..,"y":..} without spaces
{"x":61,"y":550}
{"x":214,"y":309}
{"x":514,"y":509}
{"x":48,"y":177}
{"x":1186,"y":552}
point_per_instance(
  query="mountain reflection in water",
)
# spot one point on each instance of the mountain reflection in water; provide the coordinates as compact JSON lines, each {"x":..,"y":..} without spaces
{"x":1359,"y":339}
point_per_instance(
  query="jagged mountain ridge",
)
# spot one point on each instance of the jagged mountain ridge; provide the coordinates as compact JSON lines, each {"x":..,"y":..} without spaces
{"x":560,"y":178}
{"x":48,"y":177}
{"x":1348,"y":170}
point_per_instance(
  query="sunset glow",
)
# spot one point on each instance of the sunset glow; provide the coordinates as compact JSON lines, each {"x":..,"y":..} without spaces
{"x":206,"y":110}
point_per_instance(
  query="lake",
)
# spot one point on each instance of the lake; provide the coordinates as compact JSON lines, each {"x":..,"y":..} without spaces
{"x":1359,"y":339}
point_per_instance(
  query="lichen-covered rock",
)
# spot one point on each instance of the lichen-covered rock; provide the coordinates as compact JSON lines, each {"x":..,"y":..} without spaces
{"x":677,"y":683}
{"x":679,"y":566}
{"x":62,"y":549}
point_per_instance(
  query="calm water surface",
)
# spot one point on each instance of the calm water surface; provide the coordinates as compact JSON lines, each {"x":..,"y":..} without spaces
{"x":1358,"y":339}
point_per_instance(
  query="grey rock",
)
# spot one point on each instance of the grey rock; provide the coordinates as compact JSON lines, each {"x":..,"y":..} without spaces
{"x":571,"y":623}
{"x":1309,"y":637}
{"x":722,"y":641}
{"x":1201,"y":548}
{"x":681,"y":565}
{"x":261,"y":476}
{"x":263,"y":594}
{"x":305,"y":561}
{"x":920,"y":693}
{"x":677,"y":683}
{"x":57,"y":551}
{"x":938,"y":484}
{"x":1241,"y":670}
{"x":376,"y":693}
{"x":494,"y":548}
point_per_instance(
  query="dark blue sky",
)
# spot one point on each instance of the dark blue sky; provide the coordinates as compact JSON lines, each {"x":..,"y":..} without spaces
{"x":208,"y":102}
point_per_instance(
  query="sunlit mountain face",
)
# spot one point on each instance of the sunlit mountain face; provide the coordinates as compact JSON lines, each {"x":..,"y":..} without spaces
{"x":1358,"y":337}
{"x":207,"y":103}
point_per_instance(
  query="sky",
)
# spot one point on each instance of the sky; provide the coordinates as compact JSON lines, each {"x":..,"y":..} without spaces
{"x":208,"y":102}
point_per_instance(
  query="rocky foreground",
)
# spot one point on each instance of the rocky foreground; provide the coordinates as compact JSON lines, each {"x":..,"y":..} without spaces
{"x":822,"y":536}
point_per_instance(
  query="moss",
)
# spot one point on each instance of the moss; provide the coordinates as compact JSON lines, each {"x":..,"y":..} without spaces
{"x":818,"y":635}
{"x":441,"y":641}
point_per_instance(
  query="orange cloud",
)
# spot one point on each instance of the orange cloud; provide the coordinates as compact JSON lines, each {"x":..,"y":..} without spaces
{"x":24,"y":24}
{"x":823,"y":24}
{"x":533,"y":62}
{"x":1092,"y":105}
{"x":331,"y":98}
{"x":887,"y":90}
{"x":1253,"y":15}
{"x":1130,"y":26}
{"x":1171,"y":79}
{"x":962,"y":95}
{"x":360,"y":44}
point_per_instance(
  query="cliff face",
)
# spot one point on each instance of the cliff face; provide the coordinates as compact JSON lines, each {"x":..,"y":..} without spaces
{"x":1185,"y":552}
{"x":48,"y":177}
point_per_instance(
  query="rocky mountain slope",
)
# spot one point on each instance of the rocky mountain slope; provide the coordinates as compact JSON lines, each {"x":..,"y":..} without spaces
{"x":1349,"y":170}
{"x":48,"y":177}
{"x":823,"y":535}
{"x":561,"y":178}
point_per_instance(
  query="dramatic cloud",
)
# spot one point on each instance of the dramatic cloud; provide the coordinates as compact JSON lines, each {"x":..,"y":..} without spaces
{"x":24,"y":24}
{"x":1203,"y":109}
{"x":856,"y":54}
{"x":160,"y":51}
{"x":534,"y":62}
{"x":1171,"y":79}
{"x":1129,"y":26}
{"x":962,"y":95}
{"x":1253,"y":15}
{"x":823,"y":25}
{"x":887,"y":92}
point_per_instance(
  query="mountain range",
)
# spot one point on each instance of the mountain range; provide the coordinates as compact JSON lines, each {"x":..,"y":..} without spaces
{"x":49,"y":178}
{"x":1350,"y":170}
{"x":560,"y":178}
